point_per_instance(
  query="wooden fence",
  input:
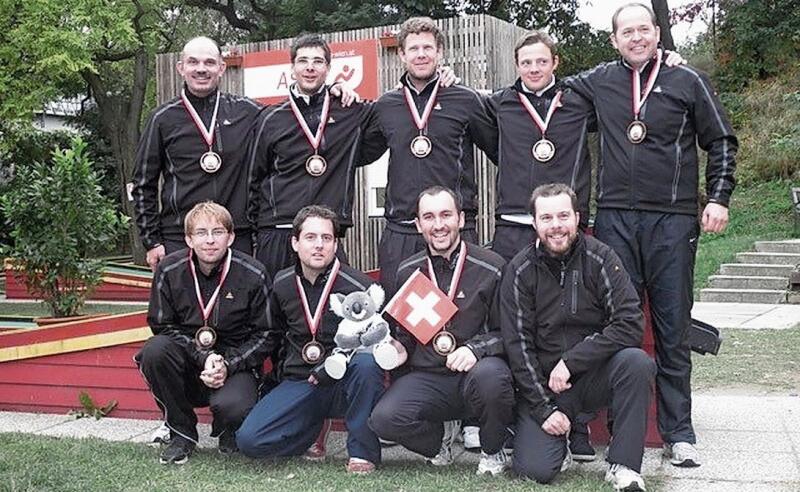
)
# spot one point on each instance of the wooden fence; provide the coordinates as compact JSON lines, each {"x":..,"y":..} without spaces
{"x":480,"y":50}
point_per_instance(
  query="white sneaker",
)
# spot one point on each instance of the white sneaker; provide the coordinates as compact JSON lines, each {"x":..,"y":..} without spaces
{"x":623,"y":478}
{"x":682,"y":454}
{"x":160,"y":436}
{"x":567,"y":463}
{"x":472,"y":437}
{"x":445,"y":456}
{"x":493,"y":464}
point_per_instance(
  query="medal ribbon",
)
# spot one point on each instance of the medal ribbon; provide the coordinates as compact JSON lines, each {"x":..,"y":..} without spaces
{"x":313,"y":139}
{"x":462,"y":259}
{"x":636,"y":82}
{"x":421,"y":121}
{"x":313,"y":322}
{"x":207,"y":133}
{"x":206,"y":309}
{"x":535,"y":114}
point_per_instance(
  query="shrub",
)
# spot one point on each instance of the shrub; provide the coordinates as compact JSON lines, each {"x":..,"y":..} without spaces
{"x":59,"y":218}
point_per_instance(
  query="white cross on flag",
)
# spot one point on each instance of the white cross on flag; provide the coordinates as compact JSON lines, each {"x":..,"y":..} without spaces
{"x":421,"y":307}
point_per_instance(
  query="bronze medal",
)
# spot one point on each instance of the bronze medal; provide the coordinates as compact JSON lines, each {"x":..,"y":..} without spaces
{"x":543,"y":150}
{"x":316,"y":165}
{"x":444,"y":343}
{"x":312,"y":352}
{"x":636,"y":132}
{"x":210,"y":162}
{"x":205,"y":338}
{"x":421,"y":146}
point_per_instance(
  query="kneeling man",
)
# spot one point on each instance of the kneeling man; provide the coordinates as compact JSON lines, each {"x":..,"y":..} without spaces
{"x":572,"y":328}
{"x":469,"y":381}
{"x":208,"y":316}
{"x":289,"y":418}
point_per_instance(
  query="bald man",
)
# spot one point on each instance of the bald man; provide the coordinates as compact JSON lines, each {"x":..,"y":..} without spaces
{"x":197,"y":144}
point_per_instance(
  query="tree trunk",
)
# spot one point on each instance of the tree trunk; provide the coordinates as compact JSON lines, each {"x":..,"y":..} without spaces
{"x":661,"y":9}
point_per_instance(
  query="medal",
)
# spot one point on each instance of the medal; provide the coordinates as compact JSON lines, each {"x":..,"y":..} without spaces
{"x":206,"y":337}
{"x":444,"y":342}
{"x":316,"y":165}
{"x":637,"y":129}
{"x":421,"y":145}
{"x":544,"y":149}
{"x":313,"y":351}
{"x":210,"y":162}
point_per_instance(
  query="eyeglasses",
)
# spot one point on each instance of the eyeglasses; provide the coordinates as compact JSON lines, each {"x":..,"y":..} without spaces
{"x":315,"y":62}
{"x":215,"y":233}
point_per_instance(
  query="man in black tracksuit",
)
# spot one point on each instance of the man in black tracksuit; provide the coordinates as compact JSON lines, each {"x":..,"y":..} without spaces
{"x":472,"y":381}
{"x":457,"y":119}
{"x":288,"y":419}
{"x":519,"y":171}
{"x":282,"y":183}
{"x":183,"y":374}
{"x":572,"y":328}
{"x":172,"y":145}
{"x":647,"y":195}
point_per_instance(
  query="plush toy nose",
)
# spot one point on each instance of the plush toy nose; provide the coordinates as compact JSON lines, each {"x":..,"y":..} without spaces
{"x":356,"y":308}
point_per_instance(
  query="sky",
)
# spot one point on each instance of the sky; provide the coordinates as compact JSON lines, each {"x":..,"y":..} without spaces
{"x":598,"y":14}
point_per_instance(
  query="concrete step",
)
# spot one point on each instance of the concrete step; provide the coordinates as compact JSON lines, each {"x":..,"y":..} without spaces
{"x":769,"y":258}
{"x":787,"y":246}
{"x":747,"y":282}
{"x":755,"y":270}
{"x":757,"y":296}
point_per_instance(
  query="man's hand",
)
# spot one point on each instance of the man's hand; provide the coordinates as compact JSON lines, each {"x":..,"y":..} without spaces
{"x":313,"y":380}
{"x":154,"y":256}
{"x":715,"y":217}
{"x":215,"y":371}
{"x":557,"y":424}
{"x":447,"y":77}
{"x":674,"y":59}
{"x":462,"y":360}
{"x":559,"y":378}
{"x":348,"y":95}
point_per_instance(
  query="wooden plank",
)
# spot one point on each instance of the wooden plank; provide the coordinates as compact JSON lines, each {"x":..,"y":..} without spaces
{"x":115,"y":356}
{"x":73,"y":329}
{"x":31,"y":373}
{"x":73,"y":344}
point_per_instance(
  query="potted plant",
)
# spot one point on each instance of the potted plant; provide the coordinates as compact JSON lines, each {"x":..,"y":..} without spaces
{"x":58,"y":220}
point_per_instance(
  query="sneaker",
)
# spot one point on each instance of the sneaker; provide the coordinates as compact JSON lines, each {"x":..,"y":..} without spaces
{"x":160,"y":436}
{"x":227,"y":443}
{"x":445,"y":456}
{"x":567,"y":463}
{"x":580,"y":447}
{"x":493,"y":464}
{"x":316,"y":452}
{"x":472,"y":438}
{"x":682,"y":454}
{"x":623,"y":478}
{"x":359,"y":466}
{"x":178,"y":451}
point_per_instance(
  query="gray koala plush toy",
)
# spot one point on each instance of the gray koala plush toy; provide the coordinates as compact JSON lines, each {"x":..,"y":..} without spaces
{"x":362,"y":327}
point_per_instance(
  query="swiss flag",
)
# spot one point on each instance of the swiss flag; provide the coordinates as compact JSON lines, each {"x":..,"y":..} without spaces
{"x":421,"y":307}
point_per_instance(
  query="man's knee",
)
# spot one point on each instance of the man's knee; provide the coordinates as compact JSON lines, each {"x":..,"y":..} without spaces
{"x":364,"y":370}
{"x":386,"y":422}
{"x":491,"y":379}
{"x":234,"y":406}
{"x":157,"y":351}
{"x":634,"y":362}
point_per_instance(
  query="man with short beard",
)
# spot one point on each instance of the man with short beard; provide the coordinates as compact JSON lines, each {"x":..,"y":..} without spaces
{"x":197,"y":143}
{"x":208,"y":315}
{"x":572,"y":329}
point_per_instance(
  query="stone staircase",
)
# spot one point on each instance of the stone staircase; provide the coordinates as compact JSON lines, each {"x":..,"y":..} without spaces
{"x":760,"y":276}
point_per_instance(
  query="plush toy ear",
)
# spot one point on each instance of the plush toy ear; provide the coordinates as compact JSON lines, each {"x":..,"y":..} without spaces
{"x":375,"y":291}
{"x":336,"y":300}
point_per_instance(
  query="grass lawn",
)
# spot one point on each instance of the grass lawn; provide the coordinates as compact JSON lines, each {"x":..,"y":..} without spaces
{"x":768,"y":359}
{"x":44,"y":463}
{"x":757,"y":213}
{"x":40,"y":309}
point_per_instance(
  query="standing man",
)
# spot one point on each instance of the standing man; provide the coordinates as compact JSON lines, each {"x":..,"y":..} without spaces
{"x":430,"y":131}
{"x":469,"y":379}
{"x":572,"y":327}
{"x":305,"y":151}
{"x":288,"y":419}
{"x":543,"y":139}
{"x":197,"y":143}
{"x":208,"y":316}
{"x":651,"y":119}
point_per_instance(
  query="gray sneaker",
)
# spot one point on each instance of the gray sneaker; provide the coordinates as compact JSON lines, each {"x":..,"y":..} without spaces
{"x":623,"y":478}
{"x":493,"y":464}
{"x":445,"y":456}
{"x":682,"y":454}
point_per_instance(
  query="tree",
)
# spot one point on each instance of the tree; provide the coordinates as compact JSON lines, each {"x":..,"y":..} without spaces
{"x":661,"y":10}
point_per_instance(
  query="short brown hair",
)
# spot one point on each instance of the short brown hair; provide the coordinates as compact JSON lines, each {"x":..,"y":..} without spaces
{"x":418,"y":25}
{"x":627,"y":6}
{"x":210,"y":210}
{"x":435,"y":190}
{"x":552,"y":189}
{"x":319,"y":211}
{"x":310,"y":40}
{"x":534,"y":37}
